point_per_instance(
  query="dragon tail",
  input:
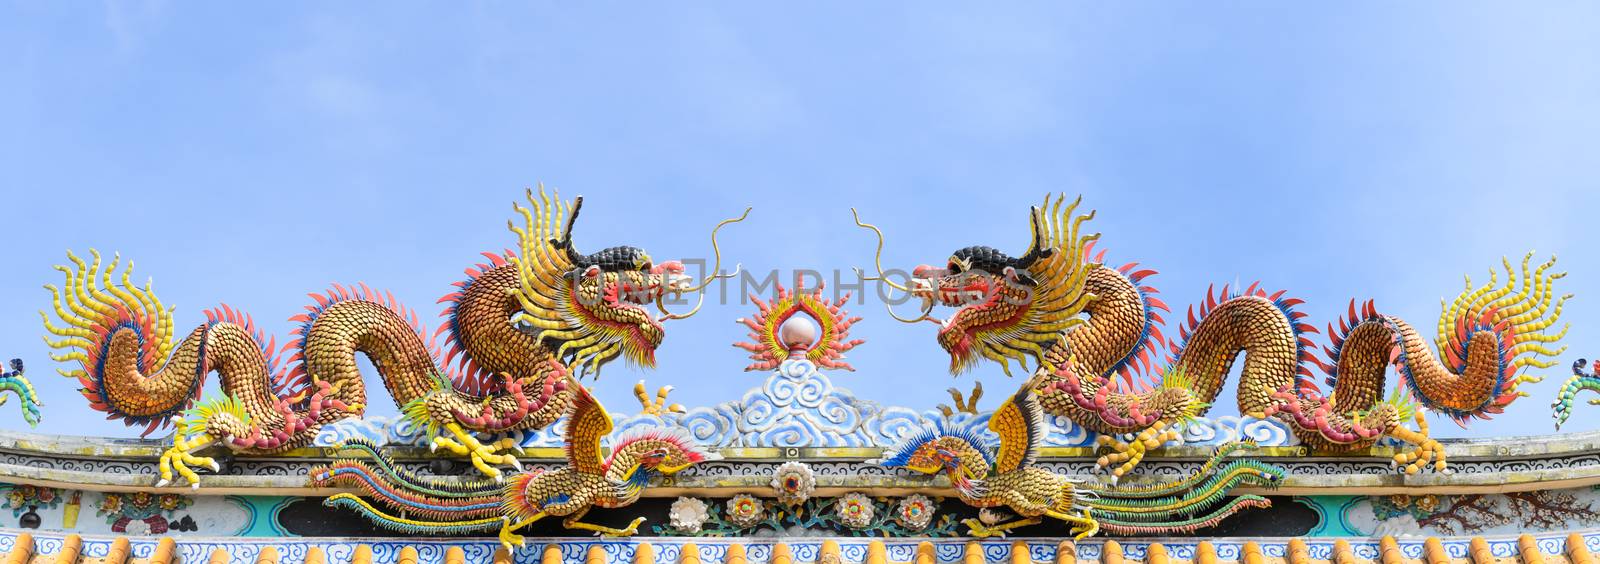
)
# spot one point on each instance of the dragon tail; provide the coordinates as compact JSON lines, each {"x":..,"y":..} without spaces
{"x":1487,"y":336}
{"x":121,"y":337}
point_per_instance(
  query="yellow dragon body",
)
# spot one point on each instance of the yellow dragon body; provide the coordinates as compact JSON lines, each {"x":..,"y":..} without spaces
{"x":513,"y":334}
{"x":1092,"y":329}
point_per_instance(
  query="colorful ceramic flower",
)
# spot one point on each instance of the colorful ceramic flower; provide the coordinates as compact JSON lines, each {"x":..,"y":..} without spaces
{"x":745,"y":511}
{"x":111,"y":504}
{"x":794,"y":482}
{"x":855,"y":510}
{"x":171,"y":502}
{"x":688,"y":514}
{"x":915,"y":512}
{"x":1427,"y":503}
{"x":20,"y":498}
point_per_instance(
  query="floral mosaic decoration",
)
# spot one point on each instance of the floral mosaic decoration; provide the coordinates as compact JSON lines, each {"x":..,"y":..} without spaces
{"x":23,"y":497}
{"x":745,"y":511}
{"x":854,"y":514}
{"x":793,"y":507}
{"x":141,"y":513}
{"x":915,"y":512}
{"x":793,"y":482}
{"x":688,"y":514}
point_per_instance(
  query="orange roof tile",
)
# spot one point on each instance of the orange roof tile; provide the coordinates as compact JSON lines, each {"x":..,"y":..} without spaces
{"x":1571,"y":549}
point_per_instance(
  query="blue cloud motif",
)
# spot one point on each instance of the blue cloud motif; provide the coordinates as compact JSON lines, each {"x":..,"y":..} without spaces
{"x":798,"y":406}
{"x":1232,"y":428}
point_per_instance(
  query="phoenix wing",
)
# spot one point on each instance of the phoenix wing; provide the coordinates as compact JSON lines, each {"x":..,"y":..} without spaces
{"x":1020,"y":424}
{"x":588,"y":424}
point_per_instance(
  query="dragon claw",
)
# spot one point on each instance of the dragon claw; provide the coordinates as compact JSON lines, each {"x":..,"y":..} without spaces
{"x":1126,"y":455}
{"x":177,"y":459}
{"x":1428,"y":451}
{"x":484,"y":457}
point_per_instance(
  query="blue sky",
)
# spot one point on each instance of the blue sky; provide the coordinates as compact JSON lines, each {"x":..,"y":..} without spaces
{"x":1369,"y":150}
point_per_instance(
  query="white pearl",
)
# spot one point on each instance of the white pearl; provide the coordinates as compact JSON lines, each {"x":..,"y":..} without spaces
{"x":798,"y":332}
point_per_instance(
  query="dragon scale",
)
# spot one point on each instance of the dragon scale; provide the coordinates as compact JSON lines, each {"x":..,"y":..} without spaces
{"x":1094,"y":330}
{"x":276,"y":407}
{"x":1485,"y":351}
{"x":514,"y":333}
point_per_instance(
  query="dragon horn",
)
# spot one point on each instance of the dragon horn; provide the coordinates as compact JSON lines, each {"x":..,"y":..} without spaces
{"x":565,"y":242}
{"x":716,"y":272}
{"x":1040,"y":248}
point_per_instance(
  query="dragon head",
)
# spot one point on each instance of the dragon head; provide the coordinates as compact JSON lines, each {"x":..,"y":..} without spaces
{"x":1007,"y":308}
{"x":610,"y":291}
{"x":592,"y":308}
{"x":991,"y":291}
{"x":13,"y":381}
{"x":1580,"y":381}
{"x":655,"y":451}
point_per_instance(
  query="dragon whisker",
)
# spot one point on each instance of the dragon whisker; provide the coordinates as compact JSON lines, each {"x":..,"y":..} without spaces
{"x":716,"y":273}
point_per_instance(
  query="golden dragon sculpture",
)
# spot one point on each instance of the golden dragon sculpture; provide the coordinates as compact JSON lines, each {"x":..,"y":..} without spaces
{"x":1094,"y":333}
{"x":513,"y":334}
